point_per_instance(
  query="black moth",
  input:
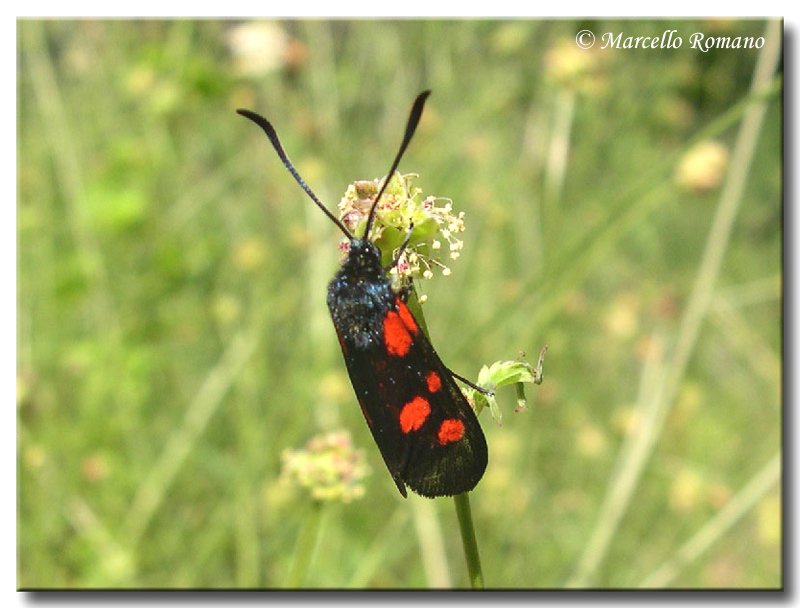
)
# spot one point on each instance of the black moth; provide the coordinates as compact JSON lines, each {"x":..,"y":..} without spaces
{"x":425,"y":429}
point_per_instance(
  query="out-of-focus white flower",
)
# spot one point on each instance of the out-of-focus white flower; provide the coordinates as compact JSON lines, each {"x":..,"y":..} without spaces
{"x":258,"y":47}
{"x":702,"y":168}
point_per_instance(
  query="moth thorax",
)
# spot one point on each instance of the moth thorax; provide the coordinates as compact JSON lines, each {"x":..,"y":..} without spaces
{"x":363,"y":256}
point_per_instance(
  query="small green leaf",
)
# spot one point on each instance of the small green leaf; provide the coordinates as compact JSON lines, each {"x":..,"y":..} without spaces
{"x":501,"y":373}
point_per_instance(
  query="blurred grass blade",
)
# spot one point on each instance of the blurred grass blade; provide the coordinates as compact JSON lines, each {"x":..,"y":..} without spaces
{"x":384,"y":545}
{"x":431,"y":542}
{"x":720,"y":524}
{"x":305,"y":547}
{"x":621,"y":490}
{"x":635,"y":451}
{"x":576,"y":261}
{"x":151,"y":493}
{"x":69,"y":176}
{"x":559,"y":150}
{"x":114,"y":566}
{"x":764,"y":361}
{"x":153,"y":235}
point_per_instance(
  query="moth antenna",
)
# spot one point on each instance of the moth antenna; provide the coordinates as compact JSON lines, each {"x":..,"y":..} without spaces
{"x":413,"y":121}
{"x":276,"y":143}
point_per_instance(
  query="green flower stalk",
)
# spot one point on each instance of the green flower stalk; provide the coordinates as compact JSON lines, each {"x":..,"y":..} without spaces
{"x":331,"y":469}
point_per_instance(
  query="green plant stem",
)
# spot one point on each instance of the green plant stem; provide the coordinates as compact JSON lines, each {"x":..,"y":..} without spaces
{"x":468,"y":539}
{"x":463,"y":510}
{"x":304,"y":549}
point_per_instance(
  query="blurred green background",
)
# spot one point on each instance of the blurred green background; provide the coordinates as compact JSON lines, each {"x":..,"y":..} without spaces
{"x":173,"y":338}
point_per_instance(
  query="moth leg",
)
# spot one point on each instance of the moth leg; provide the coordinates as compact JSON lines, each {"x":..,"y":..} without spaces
{"x":405,"y":291}
{"x":400,"y":251}
{"x":480,"y":389}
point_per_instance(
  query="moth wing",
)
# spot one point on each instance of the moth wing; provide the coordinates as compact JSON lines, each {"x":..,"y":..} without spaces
{"x":425,"y":429}
{"x":447,"y":455}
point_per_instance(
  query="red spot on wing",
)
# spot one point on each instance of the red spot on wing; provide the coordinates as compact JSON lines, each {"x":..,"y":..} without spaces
{"x":413,"y":414}
{"x":395,"y":334}
{"x":406,"y":316}
{"x":434,"y":382}
{"x":450,"y":430}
